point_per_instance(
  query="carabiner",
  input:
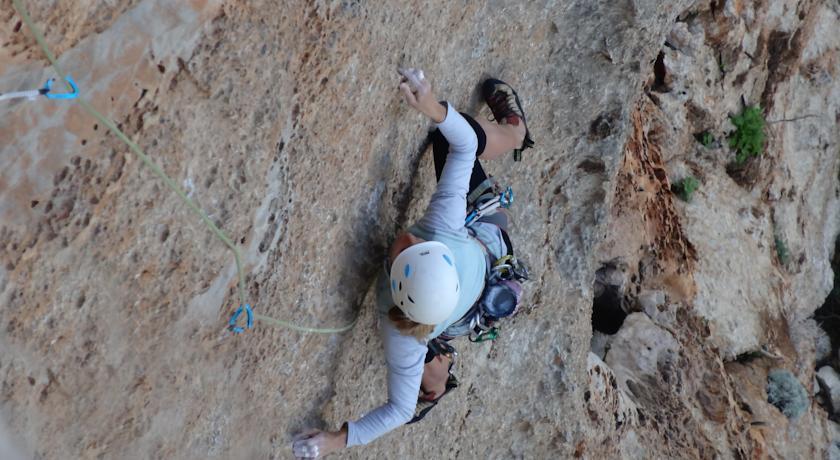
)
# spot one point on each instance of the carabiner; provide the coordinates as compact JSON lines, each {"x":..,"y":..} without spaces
{"x":71,"y":95}
{"x":248,"y":324}
{"x":490,"y":334}
{"x":506,"y":198}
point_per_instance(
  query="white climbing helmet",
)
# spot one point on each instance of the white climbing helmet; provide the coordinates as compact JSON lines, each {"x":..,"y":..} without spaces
{"x":424,"y":282}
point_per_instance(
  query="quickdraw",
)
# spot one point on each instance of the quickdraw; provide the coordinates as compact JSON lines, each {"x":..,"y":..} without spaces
{"x":502,"y":200}
{"x":46,"y":91}
{"x":220,"y":235}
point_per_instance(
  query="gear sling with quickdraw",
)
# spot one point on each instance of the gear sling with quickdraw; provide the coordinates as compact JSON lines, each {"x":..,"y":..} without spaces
{"x":505,"y":274}
{"x":502,"y":287}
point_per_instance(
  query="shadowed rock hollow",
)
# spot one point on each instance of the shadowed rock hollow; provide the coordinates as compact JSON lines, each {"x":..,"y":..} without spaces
{"x":284,"y":123}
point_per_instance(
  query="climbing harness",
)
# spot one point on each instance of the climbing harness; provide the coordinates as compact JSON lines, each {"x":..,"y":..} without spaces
{"x":502,"y":200}
{"x":501,"y":298}
{"x":46,"y":91}
{"x":503,"y":283}
{"x":217,"y":232}
{"x":510,"y":268}
{"x":486,"y":199}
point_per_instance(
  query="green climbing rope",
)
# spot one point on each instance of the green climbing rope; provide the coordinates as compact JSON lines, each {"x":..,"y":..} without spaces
{"x":220,"y":235}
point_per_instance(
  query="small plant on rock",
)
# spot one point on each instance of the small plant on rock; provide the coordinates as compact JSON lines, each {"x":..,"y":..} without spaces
{"x":781,"y":250}
{"x":705,"y":138}
{"x":685,"y":187}
{"x":748,"y":138}
{"x":786,"y":393}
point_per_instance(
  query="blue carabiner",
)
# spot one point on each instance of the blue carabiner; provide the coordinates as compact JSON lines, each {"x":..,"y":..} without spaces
{"x":72,"y":95}
{"x":471,"y":217}
{"x":506,"y":198}
{"x":248,"y":324}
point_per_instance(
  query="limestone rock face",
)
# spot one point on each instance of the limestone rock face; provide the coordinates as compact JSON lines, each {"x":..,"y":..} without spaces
{"x":639,"y":350}
{"x":822,"y":345}
{"x":282,"y":121}
{"x":834,"y":446}
{"x":741,"y":220}
{"x":829,"y":381}
{"x":610,"y":408}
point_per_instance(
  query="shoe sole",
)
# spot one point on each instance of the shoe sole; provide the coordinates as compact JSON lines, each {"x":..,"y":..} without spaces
{"x":488,"y":88}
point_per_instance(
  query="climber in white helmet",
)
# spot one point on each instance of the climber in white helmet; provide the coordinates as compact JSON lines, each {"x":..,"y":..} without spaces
{"x":438,"y":266}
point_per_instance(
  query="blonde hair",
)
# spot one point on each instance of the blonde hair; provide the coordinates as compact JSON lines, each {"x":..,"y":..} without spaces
{"x":408,"y":327}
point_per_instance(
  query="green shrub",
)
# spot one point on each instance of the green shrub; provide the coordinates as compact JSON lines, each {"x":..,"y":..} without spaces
{"x":705,"y":138}
{"x":748,"y":138}
{"x":786,"y":393}
{"x":685,"y":187}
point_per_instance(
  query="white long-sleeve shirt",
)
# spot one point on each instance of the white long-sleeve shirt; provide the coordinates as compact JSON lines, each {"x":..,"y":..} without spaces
{"x":443,"y":221}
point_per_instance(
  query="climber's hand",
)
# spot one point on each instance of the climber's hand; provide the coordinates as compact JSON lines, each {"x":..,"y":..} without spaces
{"x":417,"y":91}
{"x":317,"y":443}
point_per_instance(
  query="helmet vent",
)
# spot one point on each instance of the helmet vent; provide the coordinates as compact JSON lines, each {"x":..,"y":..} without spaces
{"x":447,"y":259}
{"x":410,"y":299}
{"x":407,"y":270}
{"x":425,"y":253}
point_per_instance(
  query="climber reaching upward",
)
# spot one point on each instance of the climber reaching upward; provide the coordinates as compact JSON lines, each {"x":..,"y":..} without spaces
{"x":441,"y":280}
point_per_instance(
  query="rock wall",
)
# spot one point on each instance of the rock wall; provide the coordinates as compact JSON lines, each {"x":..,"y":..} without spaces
{"x":734,"y":274}
{"x":284,"y":123}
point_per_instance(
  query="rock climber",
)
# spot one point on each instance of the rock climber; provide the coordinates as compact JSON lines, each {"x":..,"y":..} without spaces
{"x":438,"y":267}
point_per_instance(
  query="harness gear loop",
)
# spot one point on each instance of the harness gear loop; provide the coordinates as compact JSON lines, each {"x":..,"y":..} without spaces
{"x":488,"y":185}
{"x":502,"y":200}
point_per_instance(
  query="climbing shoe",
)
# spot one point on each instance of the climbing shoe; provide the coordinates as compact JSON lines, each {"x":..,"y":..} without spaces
{"x":424,"y":406}
{"x":505,"y":105}
{"x":427,"y":401}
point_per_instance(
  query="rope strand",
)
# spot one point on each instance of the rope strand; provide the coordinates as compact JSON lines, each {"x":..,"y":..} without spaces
{"x":217,"y":232}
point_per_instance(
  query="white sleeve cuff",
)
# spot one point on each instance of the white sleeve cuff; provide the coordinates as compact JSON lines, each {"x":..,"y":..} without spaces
{"x":448,"y":107}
